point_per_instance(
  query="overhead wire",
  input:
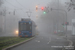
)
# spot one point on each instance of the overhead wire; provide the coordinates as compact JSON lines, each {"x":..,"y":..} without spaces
{"x":17,"y":7}
{"x":13,"y":5}
{"x":20,"y":4}
{"x":24,"y":8}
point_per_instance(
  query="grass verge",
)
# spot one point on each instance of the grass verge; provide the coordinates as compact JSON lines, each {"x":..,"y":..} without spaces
{"x":9,"y":41}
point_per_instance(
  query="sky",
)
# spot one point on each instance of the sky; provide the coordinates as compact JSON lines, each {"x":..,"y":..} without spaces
{"x":28,"y":4}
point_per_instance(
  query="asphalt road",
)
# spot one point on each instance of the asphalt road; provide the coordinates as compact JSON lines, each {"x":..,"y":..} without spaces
{"x":48,"y":42}
{"x":72,"y":38}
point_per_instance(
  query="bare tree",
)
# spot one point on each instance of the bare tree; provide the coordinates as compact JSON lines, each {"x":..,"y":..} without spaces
{"x":71,"y":5}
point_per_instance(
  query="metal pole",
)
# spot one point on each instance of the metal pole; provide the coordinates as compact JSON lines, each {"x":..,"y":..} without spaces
{"x":4,"y":19}
{"x":63,"y":20}
{"x":57,"y":18}
{"x":66,"y":18}
{"x":66,"y":21}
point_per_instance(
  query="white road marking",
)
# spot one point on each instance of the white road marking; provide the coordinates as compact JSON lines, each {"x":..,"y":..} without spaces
{"x":48,"y":42}
{"x":38,"y":41}
{"x":58,"y":38}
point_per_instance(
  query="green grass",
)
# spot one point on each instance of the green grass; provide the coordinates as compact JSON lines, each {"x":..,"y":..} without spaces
{"x":8,"y":41}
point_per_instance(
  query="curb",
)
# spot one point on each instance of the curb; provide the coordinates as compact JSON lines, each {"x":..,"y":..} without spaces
{"x":18,"y":44}
{"x":70,"y":44}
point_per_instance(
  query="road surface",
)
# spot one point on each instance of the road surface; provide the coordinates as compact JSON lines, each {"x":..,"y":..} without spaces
{"x":43,"y":43}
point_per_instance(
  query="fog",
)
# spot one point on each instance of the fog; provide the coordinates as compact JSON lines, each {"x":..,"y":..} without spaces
{"x":47,"y":23}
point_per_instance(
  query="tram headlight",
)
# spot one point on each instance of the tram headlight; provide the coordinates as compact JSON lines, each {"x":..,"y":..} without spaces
{"x":16,"y":31}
